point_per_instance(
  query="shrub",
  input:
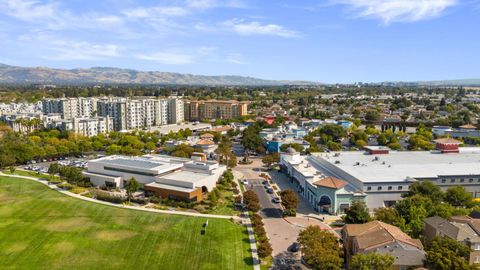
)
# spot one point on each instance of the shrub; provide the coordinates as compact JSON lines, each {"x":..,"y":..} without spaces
{"x":66,"y":186}
{"x":254,"y":207}
{"x":155,"y":199}
{"x":289,"y":213}
{"x":264,"y":249}
{"x":140,"y":200}
{"x":234,"y":184}
{"x":256,"y":218}
{"x":238,"y":199}
{"x":105,"y":196}
{"x":236,"y":191}
{"x":260,"y":231}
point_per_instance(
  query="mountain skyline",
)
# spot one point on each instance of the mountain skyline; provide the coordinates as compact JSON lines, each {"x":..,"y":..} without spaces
{"x":113,"y":75}
{"x":314,"y":40}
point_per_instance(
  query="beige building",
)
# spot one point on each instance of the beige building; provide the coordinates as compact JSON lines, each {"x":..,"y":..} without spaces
{"x":383,"y":239}
{"x":214,"y":109}
{"x":464,"y":229}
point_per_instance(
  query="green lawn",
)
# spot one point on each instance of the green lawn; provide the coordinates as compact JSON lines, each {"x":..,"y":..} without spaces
{"x":30,"y":173}
{"x":43,"y":229}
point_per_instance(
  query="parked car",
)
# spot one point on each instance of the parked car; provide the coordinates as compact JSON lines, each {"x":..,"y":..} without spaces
{"x":276,"y":200}
{"x":295,"y":247}
{"x":270,"y":191}
{"x":244,"y":181}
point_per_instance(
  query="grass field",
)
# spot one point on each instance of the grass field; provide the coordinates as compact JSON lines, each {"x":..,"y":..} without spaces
{"x":43,"y":229}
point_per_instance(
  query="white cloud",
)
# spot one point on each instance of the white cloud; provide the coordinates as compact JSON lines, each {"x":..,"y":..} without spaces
{"x":256,"y":28}
{"x":235,"y":58}
{"x":28,"y":10}
{"x":155,"y":12}
{"x":62,"y":49}
{"x":168,"y":57}
{"x":399,"y":10}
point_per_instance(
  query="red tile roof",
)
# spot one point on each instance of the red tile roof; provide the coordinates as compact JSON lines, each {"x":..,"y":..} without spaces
{"x":330,"y":182}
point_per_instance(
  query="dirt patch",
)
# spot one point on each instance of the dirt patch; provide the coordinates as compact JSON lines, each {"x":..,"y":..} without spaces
{"x":114,"y":235}
{"x":69,"y":224}
{"x":63,"y":247}
{"x":156,"y":227}
{"x":16,"y":247}
{"x":4,"y":198}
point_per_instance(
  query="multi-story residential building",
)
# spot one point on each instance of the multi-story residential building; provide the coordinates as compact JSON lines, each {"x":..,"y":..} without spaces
{"x":85,"y":126}
{"x":463,"y":229}
{"x":176,"y":112}
{"x":141,"y":112}
{"x":70,"y":107}
{"x":214,"y":109}
{"x":383,"y":239}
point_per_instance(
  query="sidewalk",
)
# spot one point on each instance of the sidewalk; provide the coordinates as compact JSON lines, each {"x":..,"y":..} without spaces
{"x":170,"y":212}
{"x":247,"y":222}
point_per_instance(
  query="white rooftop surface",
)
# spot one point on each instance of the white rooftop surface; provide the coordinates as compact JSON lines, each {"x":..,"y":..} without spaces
{"x":170,"y":187}
{"x":401,"y":166}
{"x":137,"y":163}
{"x":186,"y":176}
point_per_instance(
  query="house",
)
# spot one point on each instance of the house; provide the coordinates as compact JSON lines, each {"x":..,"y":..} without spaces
{"x":463,"y":229}
{"x":382,"y":238}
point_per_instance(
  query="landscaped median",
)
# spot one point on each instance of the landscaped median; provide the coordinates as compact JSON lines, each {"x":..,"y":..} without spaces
{"x":44,"y":229}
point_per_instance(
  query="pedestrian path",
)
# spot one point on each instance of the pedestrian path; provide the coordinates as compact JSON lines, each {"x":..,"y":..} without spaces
{"x":251,"y":236}
{"x":170,"y":212}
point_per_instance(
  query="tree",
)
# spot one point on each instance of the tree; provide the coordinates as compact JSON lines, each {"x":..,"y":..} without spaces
{"x":390,"y":216}
{"x":357,"y":213}
{"x":289,"y":199}
{"x":445,"y":253}
{"x":320,"y":248}
{"x":372,"y":260}
{"x":372,"y":115}
{"x":131,"y":187}
{"x":458,"y":196}
{"x":268,"y":160}
{"x":426,"y":189}
{"x":264,"y":249}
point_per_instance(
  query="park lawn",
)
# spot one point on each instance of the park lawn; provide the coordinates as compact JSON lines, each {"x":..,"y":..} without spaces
{"x":43,"y":229}
{"x":31,"y":174}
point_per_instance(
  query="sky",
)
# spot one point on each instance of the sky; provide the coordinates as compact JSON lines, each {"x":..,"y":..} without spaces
{"x":331,"y":41}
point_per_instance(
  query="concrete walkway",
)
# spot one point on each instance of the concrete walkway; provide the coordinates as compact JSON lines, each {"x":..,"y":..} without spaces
{"x":170,"y":212}
{"x":247,"y":222}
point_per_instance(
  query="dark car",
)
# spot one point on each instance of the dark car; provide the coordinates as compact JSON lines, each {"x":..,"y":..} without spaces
{"x":295,"y":247}
{"x":270,"y":191}
{"x":276,"y":200}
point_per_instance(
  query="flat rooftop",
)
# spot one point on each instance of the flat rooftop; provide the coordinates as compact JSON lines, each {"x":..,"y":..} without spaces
{"x":136,"y":163}
{"x":402,"y":166}
{"x":185,"y":176}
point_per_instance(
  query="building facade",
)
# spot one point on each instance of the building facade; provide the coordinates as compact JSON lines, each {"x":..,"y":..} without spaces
{"x":164,"y":176}
{"x":196,"y":110}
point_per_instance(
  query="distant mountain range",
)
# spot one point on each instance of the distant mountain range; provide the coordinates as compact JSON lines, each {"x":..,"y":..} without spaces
{"x":465,"y":82}
{"x":108,"y":75}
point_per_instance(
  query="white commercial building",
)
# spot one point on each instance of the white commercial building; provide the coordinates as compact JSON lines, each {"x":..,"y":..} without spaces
{"x":166,"y":176}
{"x":385,"y":177}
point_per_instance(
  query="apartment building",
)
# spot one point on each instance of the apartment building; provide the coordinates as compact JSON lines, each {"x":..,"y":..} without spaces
{"x":141,"y":112}
{"x":214,"y":109}
{"x":176,"y":112}
{"x":70,"y":107}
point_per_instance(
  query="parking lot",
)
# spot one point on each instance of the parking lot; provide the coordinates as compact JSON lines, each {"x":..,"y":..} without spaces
{"x":42,"y":165}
